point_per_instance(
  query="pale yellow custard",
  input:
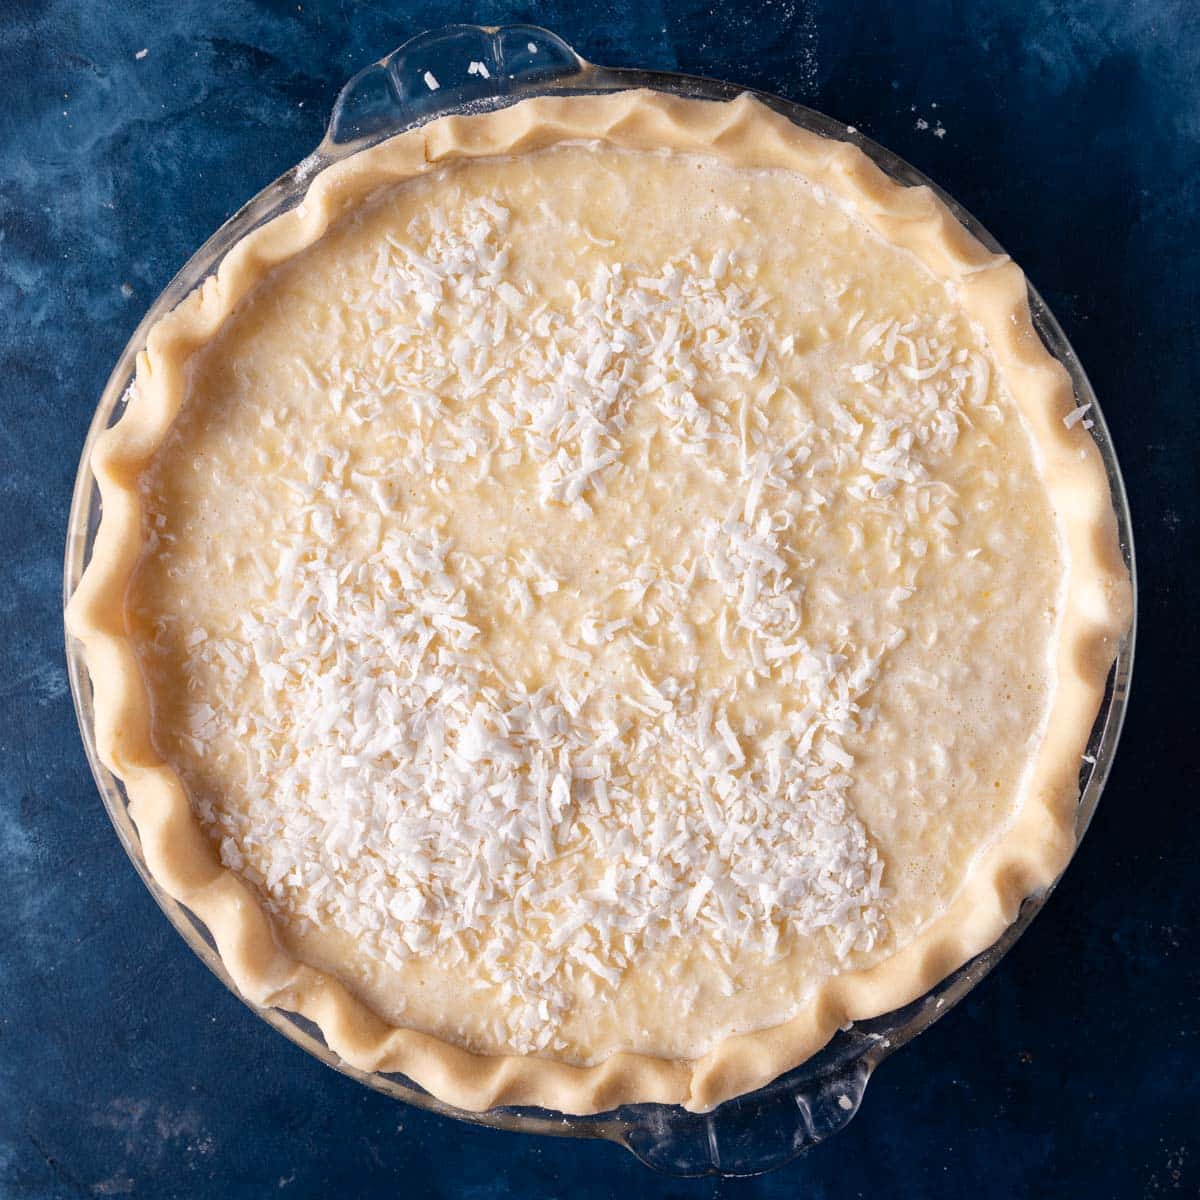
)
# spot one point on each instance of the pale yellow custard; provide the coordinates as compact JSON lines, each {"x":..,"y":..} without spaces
{"x":596,"y":595}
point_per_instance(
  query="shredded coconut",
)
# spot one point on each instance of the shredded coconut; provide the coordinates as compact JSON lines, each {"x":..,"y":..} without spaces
{"x":402,"y":791}
{"x":1076,"y":415}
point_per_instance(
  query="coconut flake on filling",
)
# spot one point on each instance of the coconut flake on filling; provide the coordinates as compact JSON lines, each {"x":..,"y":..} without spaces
{"x":401,"y":790}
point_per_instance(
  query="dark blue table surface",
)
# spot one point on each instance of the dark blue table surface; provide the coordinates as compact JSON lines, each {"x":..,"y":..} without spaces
{"x":1071,"y":129}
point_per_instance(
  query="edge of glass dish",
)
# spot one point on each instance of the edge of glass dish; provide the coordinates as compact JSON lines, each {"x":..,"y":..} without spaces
{"x":771,"y":1126}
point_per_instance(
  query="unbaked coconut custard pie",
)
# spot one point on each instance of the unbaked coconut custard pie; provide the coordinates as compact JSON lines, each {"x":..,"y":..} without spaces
{"x":599,"y":596}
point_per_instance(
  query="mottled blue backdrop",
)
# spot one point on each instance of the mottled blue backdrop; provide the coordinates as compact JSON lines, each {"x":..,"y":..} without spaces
{"x":129,"y":131}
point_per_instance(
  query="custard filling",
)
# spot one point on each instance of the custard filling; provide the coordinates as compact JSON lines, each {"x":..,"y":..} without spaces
{"x":596,"y":596}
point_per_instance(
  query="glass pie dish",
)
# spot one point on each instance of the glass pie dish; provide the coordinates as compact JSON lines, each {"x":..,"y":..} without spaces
{"x":468,"y":68}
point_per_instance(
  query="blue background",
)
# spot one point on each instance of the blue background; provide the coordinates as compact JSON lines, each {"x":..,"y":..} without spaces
{"x":1072,"y":129}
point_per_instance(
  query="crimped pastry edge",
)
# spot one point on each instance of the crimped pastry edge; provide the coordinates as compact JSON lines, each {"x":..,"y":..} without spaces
{"x":1025,"y":859}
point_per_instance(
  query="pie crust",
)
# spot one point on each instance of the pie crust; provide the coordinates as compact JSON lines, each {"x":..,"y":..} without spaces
{"x":1026,"y":858}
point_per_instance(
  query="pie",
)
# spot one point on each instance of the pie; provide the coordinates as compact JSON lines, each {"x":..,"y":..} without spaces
{"x":597,"y":597}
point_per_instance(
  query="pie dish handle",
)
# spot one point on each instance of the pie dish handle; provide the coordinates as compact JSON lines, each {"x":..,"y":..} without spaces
{"x":748,"y":1135}
{"x":445,"y":70}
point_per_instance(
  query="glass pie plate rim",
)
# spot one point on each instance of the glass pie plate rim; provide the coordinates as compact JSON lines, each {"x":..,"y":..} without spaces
{"x":763,"y":1129}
